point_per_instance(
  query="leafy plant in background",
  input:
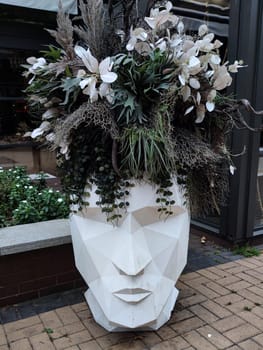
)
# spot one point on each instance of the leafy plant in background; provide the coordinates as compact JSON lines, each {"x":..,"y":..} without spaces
{"x":129,"y":97}
{"x":23,"y":201}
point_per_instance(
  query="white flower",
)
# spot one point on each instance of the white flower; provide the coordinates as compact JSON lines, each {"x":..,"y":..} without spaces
{"x":60,"y":200}
{"x":135,"y":35}
{"x":96,"y":72}
{"x":158,"y":18}
{"x":222,"y":78}
{"x":232,"y":169}
{"x":36,"y":63}
{"x":210,"y":105}
{"x":45,"y":126}
{"x":203,"y":29}
{"x":200,"y":113}
{"x":50,"y":113}
{"x":103,"y":69}
{"x":233,"y":68}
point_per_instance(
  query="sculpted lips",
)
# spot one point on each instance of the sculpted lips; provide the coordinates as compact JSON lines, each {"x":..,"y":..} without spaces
{"x":132,"y":295}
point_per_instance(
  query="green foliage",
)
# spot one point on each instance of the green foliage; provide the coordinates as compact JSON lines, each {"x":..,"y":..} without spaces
{"x":140,"y":82}
{"x":247,"y":251}
{"x":53,"y":53}
{"x":23,"y":201}
{"x":147,"y":151}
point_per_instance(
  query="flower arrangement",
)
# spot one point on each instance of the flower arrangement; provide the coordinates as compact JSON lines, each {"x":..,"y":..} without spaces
{"x":124,"y":98}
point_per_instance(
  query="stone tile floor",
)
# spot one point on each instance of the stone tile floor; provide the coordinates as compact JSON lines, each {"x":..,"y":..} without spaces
{"x":220,"y":306}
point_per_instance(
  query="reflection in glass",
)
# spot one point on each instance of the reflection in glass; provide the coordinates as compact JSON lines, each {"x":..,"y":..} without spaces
{"x":259,"y":195}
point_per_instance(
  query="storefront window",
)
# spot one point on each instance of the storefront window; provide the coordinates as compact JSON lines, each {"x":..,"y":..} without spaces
{"x":12,"y":105}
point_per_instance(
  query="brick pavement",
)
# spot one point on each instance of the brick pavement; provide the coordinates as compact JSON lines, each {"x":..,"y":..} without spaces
{"x":219,"y":307}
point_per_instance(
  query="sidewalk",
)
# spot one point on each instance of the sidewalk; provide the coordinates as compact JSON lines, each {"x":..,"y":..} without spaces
{"x":219,"y":307}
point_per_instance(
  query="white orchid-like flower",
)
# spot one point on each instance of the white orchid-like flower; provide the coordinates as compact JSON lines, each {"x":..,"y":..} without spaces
{"x":222,"y":78}
{"x":97,"y":73}
{"x":36,"y":65}
{"x":135,"y":35}
{"x":233,"y":68}
{"x":44,"y":126}
{"x":158,"y":18}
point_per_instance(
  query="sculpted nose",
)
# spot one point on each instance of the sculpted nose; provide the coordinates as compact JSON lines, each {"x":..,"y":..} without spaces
{"x":133,"y":257}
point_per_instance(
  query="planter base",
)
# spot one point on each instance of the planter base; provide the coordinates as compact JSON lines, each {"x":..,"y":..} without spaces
{"x":131,"y":269}
{"x":124,"y":318}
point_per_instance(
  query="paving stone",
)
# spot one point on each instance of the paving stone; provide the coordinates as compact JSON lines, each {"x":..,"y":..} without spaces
{"x":25,"y":332}
{"x":208,"y":274}
{"x":94,"y":329}
{"x":256,"y":261}
{"x":216,"y":338}
{"x":248,"y":278}
{"x":203,"y":313}
{"x":255,"y":274}
{"x":228,"y":266}
{"x":115,"y":338}
{"x":166,"y":332}
{"x":67,"y":315}
{"x":197,"y":281}
{"x":72,"y":339}
{"x":149,"y":338}
{"x":225,"y":281}
{"x":22,"y":344}
{"x":247,"y":262}
{"x":177,"y":343}
{"x":67,"y":330}
{"x":235,"y":347}
{"x":80,"y":306}
{"x":238,"y":286}
{"x":4,"y":347}
{"x":41,"y":342}
{"x":250,"y":345}
{"x":256,"y":299}
{"x":227,"y":323}
{"x":258,"y":310}
{"x":187,"y":325}
{"x":17,"y":325}
{"x":241,"y":333}
{"x":195,"y":299}
{"x":3,"y":339}
{"x":180,"y":316}
{"x":216,"y":309}
{"x":243,"y":305}
{"x":257,"y":290}
{"x":91,"y":345}
{"x":189,"y":276}
{"x":252,"y":319}
{"x":259,"y":339}
{"x":50,"y":319}
{"x":229,"y":299}
{"x":235,"y":270}
{"x":198,"y":341}
{"x":136,"y":345}
{"x":219,"y":270}
{"x":218,"y":288}
{"x":84,"y":314}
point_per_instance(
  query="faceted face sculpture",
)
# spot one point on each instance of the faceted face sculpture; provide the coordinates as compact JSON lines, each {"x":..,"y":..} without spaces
{"x":131,"y":269}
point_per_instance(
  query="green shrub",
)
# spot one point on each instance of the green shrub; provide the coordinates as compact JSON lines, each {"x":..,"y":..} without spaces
{"x":23,"y":201}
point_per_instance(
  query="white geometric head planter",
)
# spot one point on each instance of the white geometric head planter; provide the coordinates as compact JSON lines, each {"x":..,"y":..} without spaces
{"x":131,"y":269}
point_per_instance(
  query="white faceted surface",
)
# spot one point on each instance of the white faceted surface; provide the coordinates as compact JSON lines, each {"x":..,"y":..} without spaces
{"x":131,"y":269}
